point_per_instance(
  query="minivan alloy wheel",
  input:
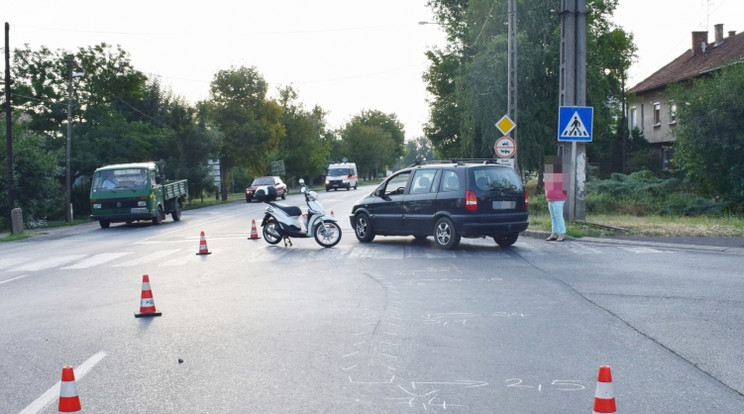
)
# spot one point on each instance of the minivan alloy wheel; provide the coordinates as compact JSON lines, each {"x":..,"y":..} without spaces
{"x":445,"y":234}
{"x":363,"y":228}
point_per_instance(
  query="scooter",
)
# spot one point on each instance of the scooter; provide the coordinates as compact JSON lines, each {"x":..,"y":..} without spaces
{"x":282,"y":221}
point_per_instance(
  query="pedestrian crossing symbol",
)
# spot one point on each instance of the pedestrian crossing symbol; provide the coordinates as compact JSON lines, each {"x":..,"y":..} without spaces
{"x":575,"y":123}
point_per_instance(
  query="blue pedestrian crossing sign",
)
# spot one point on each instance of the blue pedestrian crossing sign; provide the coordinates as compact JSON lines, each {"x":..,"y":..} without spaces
{"x":575,"y":123}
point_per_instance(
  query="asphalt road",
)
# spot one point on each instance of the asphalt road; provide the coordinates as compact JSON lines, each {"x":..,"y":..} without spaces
{"x":391,"y":326}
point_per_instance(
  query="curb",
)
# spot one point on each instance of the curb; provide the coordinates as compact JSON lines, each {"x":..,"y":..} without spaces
{"x":737,"y":251}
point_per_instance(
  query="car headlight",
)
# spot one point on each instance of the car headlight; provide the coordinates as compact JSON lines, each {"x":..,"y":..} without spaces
{"x":97,"y":205}
{"x":142,"y":203}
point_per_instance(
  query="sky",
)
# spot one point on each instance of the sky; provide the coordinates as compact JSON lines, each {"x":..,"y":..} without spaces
{"x":344,"y":55}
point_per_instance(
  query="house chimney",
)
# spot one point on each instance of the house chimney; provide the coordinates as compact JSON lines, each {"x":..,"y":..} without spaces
{"x":719,"y":32}
{"x":732,"y":33}
{"x":699,"y":42}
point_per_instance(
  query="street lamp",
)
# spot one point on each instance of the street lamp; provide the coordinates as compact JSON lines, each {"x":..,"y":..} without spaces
{"x":68,"y":183}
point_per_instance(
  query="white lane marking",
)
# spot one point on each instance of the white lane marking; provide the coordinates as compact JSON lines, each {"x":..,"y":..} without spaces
{"x":159,"y":254}
{"x":10,"y":280}
{"x":96,"y":260}
{"x":50,"y":262}
{"x":53,"y":393}
{"x":6,"y":263}
{"x":201,"y":225}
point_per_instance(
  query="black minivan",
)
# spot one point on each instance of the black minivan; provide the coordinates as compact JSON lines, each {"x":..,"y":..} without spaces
{"x":448,"y":201}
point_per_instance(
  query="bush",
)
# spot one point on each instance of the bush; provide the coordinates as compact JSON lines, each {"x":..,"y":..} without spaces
{"x":642,"y":193}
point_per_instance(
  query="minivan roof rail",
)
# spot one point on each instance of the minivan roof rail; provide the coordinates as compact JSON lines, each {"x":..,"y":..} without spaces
{"x":458,"y":161}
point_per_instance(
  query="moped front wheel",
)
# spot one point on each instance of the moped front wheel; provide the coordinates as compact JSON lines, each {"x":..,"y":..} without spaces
{"x":327,"y":233}
{"x":272,"y":232}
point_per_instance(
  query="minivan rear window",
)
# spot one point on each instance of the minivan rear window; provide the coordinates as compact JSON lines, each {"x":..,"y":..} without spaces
{"x":491,"y":179}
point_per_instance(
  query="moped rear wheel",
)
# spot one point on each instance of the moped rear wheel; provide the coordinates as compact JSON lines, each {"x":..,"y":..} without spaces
{"x":272,"y":232}
{"x":327,"y":234}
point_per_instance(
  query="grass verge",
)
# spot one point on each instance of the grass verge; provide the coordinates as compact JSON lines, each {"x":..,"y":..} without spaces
{"x":657,"y":226}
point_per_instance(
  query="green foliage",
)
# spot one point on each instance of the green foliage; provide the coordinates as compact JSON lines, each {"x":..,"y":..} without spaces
{"x":118,"y":115}
{"x":417,"y":150}
{"x":35,"y":173}
{"x":710,"y":132}
{"x":642,"y":193}
{"x":249,"y":122}
{"x":468,"y":79}
{"x":303,"y":149}
{"x":373,"y":140}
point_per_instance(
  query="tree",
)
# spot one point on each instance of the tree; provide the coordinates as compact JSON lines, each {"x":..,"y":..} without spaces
{"x":468,"y":78}
{"x":303,"y":150}
{"x":418,"y":149}
{"x":373,"y":140}
{"x":710,"y":132}
{"x":37,"y":190}
{"x":119,"y":115}
{"x":250,"y":123}
{"x":192,"y":145}
{"x":110,"y":117}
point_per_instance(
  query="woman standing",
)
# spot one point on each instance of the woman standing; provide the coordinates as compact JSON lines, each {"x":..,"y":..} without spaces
{"x":556,"y":196}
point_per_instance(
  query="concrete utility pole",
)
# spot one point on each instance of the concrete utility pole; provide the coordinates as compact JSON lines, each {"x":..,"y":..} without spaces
{"x":68,"y":184}
{"x":68,"y":147}
{"x":573,"y":93}
{"x":8,"y":129}
{"x":511,"y":96}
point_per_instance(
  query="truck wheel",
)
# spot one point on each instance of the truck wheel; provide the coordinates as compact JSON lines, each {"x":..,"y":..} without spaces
{"x":176,"y":213}
{"x":159,"y":216}
{"x":104,"y":223}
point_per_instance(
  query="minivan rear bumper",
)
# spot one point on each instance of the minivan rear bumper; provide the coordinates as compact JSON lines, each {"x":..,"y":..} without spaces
{"x":491,"y":225}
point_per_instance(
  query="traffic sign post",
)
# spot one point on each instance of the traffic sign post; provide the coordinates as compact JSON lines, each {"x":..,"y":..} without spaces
{"x":505,"y":147}
{"x":505,"y":124}
{"x":575,"y":123}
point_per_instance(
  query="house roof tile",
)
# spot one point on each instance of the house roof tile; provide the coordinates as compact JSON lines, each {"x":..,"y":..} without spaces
{"x":687,"y":66}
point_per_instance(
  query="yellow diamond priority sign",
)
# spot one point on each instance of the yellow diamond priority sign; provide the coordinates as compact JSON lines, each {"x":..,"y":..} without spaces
{"x":505,"y":124}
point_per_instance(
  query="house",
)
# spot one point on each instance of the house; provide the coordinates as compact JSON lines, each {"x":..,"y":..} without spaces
{"x":649,"y":107}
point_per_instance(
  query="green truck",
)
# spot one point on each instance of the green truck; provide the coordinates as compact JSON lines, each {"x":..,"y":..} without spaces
{"x":137,"y":191}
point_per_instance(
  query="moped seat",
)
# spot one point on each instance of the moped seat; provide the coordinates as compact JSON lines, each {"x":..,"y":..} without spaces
{"x":290,"y":210}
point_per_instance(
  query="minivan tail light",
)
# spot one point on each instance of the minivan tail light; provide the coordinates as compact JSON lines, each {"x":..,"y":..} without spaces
{"x":526,"y":200}
{"x":471,"y":201}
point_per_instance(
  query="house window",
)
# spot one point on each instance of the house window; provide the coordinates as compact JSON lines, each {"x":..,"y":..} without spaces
{"x":657,"y":114}
{"x":633,"y":118}
{"x":666,"y":158}
{"x":672,"y":113}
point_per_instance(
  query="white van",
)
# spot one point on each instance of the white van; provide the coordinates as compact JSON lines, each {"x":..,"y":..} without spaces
{"x":342,"y":175}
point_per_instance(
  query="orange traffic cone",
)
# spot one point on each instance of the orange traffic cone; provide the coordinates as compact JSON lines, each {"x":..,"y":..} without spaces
{"x":254,"y":231}
{"x":147,"y":303}
{"x":203,"y":245}
{"x":69,"y":402}
{"x":604,"y":396}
